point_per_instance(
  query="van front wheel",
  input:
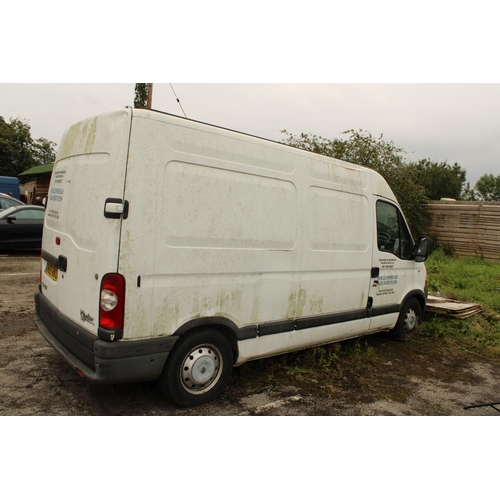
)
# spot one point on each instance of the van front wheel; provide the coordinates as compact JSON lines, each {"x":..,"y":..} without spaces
{"x":198,"y":368}
{"x":408,"y":321}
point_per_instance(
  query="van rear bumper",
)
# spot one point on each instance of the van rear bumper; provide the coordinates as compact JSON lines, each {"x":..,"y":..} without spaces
{"x":97,"y":360}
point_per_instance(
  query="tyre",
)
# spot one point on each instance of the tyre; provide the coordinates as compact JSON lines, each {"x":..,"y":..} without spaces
{"x":198,"y":368}
{"x":408,"y":321}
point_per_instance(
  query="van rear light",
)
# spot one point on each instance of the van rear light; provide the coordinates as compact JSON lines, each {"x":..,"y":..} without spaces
{"x":112,"y":302}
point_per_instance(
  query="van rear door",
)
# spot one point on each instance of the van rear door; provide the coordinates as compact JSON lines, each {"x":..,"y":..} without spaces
{"x":82,"y":227}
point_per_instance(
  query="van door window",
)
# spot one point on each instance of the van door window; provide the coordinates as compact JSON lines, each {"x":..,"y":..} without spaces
{"x":393,"y":235}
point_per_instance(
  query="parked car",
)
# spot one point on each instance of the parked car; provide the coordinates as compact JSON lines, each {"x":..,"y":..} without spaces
{"x":21,"y":227}
{"x":7,"y":201}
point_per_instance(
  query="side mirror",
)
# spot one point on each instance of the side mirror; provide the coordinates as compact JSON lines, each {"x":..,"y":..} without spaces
{"x":11,"y":219}
{"x":422,"y":249}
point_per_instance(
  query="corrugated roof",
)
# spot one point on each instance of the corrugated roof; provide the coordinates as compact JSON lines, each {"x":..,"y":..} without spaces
{"x":39,"y":169}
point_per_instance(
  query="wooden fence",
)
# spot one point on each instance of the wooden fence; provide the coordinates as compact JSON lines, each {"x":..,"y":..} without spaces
{"x":472,"y":228}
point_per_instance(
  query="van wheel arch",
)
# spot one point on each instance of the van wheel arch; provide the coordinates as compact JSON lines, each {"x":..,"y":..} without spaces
{"x":225,"y":326}
{"x":230,"y":336}
{"x":198,"y":367}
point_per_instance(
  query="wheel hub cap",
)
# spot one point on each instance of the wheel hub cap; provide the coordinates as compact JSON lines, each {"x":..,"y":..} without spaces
{"x":411,"y":320}
{"x":201,"y":369}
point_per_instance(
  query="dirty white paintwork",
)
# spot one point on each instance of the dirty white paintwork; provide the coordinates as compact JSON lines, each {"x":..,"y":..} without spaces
{"x":90,"y":167}
{"x":220,"y":225}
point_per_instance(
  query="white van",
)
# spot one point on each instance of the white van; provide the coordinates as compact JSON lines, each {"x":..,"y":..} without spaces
{"x":174,"y":250}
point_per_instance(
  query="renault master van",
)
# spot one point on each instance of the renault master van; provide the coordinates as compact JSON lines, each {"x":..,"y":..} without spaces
{"x":174,"y":250}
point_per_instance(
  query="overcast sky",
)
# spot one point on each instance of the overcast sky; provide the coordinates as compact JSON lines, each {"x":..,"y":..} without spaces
{"x":444,"y":122}
{"x":269,"y":41}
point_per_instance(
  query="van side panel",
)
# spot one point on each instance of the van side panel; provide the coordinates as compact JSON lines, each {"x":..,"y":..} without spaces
{"x":335,"y":267}
{"x":337,"y":240}
{"x":223,"y":233}
{"x":236,"y":228}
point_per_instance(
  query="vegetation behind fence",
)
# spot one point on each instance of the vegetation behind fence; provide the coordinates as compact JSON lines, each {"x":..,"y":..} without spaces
{"x":471,"y":228}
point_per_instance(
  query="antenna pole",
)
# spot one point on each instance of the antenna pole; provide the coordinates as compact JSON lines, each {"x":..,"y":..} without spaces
{"x":150,"y":96}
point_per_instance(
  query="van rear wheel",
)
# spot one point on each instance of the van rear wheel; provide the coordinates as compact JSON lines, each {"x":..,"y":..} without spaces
{"x":408,"y":321}
{"x":198,"y":368}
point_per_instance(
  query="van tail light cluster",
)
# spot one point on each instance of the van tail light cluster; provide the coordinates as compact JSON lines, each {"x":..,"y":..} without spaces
{"x":112,"y":302}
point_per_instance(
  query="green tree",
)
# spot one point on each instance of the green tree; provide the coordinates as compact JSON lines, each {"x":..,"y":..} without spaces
{"x":468,"y":193}
{"x":383,"y":156}
{"x":43,"y":151}
{"x":487,"y":188}
{"x":141,"y":95}
{"x":6,"y":146}
{"x":19,"y":151}
{"x":441,"y":180}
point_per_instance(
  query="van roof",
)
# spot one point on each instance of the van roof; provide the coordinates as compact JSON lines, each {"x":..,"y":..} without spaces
{"x":250,"y":135}
{"x":215,"y":126}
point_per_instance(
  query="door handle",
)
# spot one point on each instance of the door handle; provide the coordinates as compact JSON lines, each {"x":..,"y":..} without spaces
{"x":115,"y":208}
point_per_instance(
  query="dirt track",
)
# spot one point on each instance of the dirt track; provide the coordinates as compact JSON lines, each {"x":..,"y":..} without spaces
{"x":34,"y":380}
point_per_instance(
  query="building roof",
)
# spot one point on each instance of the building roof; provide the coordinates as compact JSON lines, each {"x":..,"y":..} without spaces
{"x":39,"y":169}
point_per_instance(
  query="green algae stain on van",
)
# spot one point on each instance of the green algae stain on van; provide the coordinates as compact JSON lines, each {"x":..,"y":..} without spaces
{"x":292,"y":305}
{"x":301,"y":302}
{"x":315,"y":305}
{"x":79,"y":138}
{"x":296,"y":302}
{"x":68,"y":142}
{"x":89,"y":133}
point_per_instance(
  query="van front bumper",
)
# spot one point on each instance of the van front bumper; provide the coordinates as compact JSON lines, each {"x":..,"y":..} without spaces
{"x":98,"y":360}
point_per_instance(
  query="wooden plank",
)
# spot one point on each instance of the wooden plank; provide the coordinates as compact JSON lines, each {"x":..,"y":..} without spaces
{"x":452,"y":308}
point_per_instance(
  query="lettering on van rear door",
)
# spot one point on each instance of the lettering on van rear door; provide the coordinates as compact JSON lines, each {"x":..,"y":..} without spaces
{"x":56,"y":193}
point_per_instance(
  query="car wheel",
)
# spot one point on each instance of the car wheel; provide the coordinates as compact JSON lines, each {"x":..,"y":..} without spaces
{"x":408,"y":321}
{"x":198,"y":368}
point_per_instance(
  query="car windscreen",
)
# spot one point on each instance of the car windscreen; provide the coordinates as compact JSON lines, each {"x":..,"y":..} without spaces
{"x":8,"y":202}
{"x":7,"y":212}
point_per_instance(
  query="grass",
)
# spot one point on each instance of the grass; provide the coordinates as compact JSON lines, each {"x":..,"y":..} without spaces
{"x":468,"y":280}
{"x":321,"y":367}
{"x":349,"y":362}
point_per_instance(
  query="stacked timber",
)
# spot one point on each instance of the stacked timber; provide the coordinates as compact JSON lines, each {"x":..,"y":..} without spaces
{"x":453,"y":308}
{"x":471,"y":228}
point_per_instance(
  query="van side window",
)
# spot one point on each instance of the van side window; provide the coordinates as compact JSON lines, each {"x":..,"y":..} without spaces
{"x":393,"y":235}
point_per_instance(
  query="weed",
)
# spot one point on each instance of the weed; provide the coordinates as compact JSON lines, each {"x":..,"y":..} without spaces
{"x":444,"y":248}
{"x":436,"y":326}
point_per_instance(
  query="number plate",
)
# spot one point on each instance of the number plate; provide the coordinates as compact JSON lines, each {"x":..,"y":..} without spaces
{"x":51,"y":271}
